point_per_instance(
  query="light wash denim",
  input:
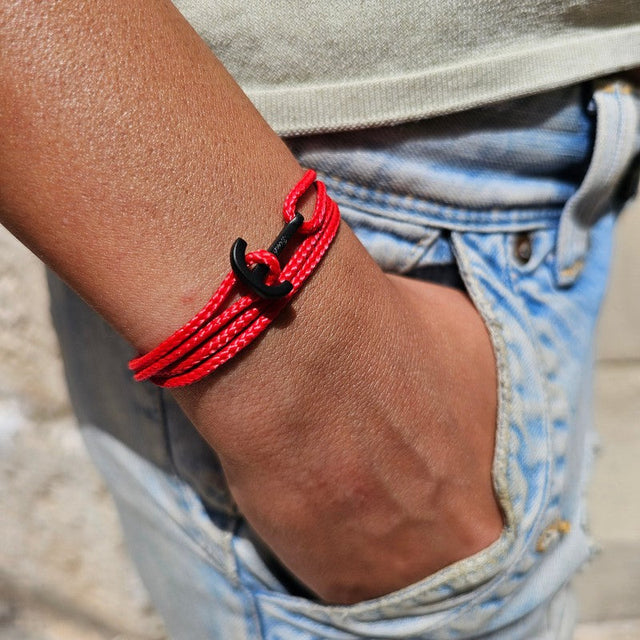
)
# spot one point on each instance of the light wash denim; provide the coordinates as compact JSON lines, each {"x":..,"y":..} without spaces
{"x":516,"y":203}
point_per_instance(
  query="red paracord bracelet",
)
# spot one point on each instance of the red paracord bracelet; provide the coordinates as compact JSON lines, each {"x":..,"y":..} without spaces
{"x":214,"y":335}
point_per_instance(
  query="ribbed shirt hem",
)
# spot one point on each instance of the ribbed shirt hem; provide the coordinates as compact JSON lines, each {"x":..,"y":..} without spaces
{"x":383,"y":101}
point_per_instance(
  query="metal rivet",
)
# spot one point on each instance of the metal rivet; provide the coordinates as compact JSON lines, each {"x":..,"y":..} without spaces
{"x":523,"y":247}
{"x":551,"y":534}
{"x":574,"y":270}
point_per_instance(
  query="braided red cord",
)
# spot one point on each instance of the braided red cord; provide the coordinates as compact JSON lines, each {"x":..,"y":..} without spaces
{"x":214,"y":335}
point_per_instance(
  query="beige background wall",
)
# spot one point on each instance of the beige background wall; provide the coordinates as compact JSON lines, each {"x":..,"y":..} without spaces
{"x":63,"y":571}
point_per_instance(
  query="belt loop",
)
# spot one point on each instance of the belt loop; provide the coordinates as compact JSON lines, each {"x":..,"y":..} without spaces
{"x":617,"y":120}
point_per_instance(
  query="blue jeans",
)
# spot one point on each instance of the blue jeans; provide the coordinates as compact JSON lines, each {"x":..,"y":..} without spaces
{"x":513,"y":202}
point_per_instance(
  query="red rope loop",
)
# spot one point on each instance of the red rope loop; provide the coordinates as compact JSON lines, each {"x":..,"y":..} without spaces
{"x":220,"y":330}
{"x":262,"y":256}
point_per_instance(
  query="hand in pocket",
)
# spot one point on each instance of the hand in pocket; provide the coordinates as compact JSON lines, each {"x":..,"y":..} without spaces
{"x":376,"y":472}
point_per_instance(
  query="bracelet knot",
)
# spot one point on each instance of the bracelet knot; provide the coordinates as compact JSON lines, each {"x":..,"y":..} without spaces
{"x":221,"y":329}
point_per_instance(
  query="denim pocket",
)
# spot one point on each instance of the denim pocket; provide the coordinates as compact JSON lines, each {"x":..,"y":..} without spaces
{"x":482,"y":593}
{"x":427,"y":606}
{"x":397,"y":245}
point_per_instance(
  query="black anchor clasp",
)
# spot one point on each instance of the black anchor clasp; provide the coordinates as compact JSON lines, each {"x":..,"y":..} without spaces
{"x":254,"y":278}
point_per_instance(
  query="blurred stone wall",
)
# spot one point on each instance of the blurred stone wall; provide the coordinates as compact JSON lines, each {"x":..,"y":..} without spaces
{"x":64,"y":574}
{"x":63,"y":571}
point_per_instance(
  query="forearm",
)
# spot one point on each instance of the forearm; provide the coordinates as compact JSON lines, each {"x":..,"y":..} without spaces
{"x":131,"y":160}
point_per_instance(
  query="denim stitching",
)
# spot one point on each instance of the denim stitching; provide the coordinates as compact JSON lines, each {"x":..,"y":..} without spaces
{"x":446,"y":216}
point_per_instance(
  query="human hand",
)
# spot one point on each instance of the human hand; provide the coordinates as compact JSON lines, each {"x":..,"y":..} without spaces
{"x":362,"y":456}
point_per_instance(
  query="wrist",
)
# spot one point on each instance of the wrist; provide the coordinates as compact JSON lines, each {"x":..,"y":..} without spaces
{"x":194,"y":263}
{"x":275,"y":381}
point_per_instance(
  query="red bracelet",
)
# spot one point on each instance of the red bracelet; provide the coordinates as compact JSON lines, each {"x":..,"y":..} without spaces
{"x":214,"y":335}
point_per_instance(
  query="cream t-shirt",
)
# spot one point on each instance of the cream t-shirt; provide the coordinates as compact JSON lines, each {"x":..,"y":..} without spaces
{"x":343,"y":64}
